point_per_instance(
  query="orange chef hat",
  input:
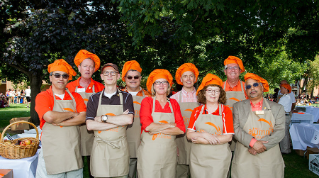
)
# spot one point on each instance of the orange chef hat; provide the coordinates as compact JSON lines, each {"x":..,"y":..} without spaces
{"x":209,"y":79}
{"x":259,"y":79}
{"x":61,"y":65}
{"x":130,"y":65}
{"x":84,"y":54}
{"x":287,"y":86}
{"x":157,"y":74}
{"x":183,"y":68}
{"x":235,"y":60}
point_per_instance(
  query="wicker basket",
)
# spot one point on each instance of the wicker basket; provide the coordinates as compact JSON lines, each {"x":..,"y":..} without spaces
{"x":9,"y":149}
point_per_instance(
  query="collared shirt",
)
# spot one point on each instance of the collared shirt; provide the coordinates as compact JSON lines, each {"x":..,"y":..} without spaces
{"x":186,"y":96}
{"x":258,"y":106}
{"x":76,"y":83}
{"x":228,"y":127}
{"x":237,"y":87}
{"x":139,"y":93}
{"x":114,"y":100}
{"x":292,"y":96}
{"x":286,"y":102}
{"x":44,"y":102}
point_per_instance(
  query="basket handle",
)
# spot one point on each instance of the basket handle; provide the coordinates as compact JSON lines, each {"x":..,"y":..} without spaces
{"x":17,"y":122}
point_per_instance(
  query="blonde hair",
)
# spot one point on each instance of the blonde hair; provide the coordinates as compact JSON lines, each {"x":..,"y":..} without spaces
{"x":167,"y":92}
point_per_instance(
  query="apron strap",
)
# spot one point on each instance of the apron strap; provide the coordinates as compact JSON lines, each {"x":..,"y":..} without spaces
{"x":220,"y":109}
{"x":225,"y":85}
{"x":143,"y":92}
{"x":93,"y":89}
{"x":180,"y":96}
{"x":100,"y":99}
{"x":241,"y":85}
{"x":121,"y":97}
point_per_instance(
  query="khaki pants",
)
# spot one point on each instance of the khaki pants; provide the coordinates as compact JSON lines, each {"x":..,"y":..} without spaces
{"x":285,"y":142}
{"x":182,"y":171}
{"x":42,"y":172}
{"x":133,"y":168}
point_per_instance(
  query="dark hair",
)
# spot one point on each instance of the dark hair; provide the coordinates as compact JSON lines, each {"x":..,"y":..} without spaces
{"x":201,"y":94}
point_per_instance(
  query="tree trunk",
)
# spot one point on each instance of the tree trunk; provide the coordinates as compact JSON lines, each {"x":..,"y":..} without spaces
{"x":35,"y":82}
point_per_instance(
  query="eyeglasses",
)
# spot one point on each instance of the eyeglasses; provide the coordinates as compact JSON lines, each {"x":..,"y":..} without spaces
{"x":213,"y":91}
{"x":231,"y":68}
{"x":254,"y":84}
{"x":113,"y":73}
{"x":161,"y":82}
{"x":135,"y":77}
{"x":57,"y":75}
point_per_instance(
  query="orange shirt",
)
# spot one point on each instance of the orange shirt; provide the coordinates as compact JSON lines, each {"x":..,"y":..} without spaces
{"x":228,"y":127}
{"x":44,"y":102}
{"x":258,"y":106}
{"x":140,"y":93}
{"x":235,"y":88}
{"x":76,"y":83}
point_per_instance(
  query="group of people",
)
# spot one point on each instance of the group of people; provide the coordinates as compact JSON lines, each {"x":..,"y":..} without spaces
{"x":19,"y":96}
{"x":135,"y":132}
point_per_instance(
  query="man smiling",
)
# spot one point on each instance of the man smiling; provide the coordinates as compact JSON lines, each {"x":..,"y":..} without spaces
{"x":186,"y":75}
{"x":131,"y":75}
{"x":259,"y":126}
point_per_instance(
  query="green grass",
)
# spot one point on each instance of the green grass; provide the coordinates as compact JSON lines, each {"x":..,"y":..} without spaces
{"x":296,"y":166}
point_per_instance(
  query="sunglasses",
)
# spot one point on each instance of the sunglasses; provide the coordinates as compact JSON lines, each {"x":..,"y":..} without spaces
{"x":135,"y":77}
{"x":254,"y":84}
{"x":57,"y":75}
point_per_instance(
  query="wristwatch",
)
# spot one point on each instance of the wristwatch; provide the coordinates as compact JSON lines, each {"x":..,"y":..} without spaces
{"x":104,"y":118}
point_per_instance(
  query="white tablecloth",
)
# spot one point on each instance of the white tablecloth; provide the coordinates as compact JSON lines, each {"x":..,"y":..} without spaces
{"x":301,"y":118}
{"x":303,"y":135}
{"x":315,"y":113}
{"x":22,"y":168}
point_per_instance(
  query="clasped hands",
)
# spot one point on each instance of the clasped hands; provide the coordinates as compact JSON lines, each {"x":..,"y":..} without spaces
{"x":258,"y":147}
{"x":205,"y":136}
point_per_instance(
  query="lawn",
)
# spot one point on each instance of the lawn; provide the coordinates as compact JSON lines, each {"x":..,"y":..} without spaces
{"x":296,"y":166}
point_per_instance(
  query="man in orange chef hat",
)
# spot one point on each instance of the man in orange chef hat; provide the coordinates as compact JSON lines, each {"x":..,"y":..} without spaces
{"x":259,"y":126}
{"x":87,"y":64}
{"x":131,"y":75}
{"x":285,"y":101}
{"x":61,"y":112}
{"x":186,"y":75}
{"x":235,"y":89}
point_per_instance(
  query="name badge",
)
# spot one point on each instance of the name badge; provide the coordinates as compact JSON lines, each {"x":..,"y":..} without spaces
{"x":80,"y":90}
{"x":260,"y":112}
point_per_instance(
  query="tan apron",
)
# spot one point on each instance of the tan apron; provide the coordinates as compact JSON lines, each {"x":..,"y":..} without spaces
{"x":264,"y":165}
{"x":232,"y":98}
{"x":156,"y":154}
{"x":183,"y":145}
{"x":86,"y":136}
{"x":210,"y":160}
{"x":61,"y":145}
{"x":134,"y":132}
{"x":110,"y":155}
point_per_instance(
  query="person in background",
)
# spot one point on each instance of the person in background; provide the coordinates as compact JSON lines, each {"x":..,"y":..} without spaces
{"x":259,"y":127}
{"x":285,"y":101}
{"x":87,"y":63}
{"x":60,"y":112}
{"x":161,"y":121}
{"x":28,"y":96}
{"x":186,"y":75}
{"x":131,"y":75}
{"x":292,"y":96}
{"x":210,"y":129}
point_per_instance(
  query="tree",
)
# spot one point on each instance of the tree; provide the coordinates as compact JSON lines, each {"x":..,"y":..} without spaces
{"x":38,"y":32}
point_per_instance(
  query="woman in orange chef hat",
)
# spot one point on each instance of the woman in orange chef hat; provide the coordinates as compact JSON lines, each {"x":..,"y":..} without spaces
{"x":161,"y":121}
{"x":210,"y":129}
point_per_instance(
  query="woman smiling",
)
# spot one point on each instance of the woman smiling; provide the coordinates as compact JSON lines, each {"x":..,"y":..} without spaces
{"x":210,"y":129}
